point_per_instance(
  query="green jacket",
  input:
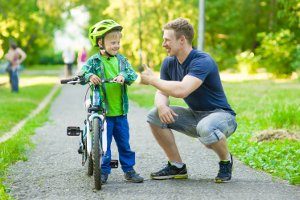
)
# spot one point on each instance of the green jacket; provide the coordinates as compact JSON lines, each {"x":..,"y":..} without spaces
{"x":95,"y":66}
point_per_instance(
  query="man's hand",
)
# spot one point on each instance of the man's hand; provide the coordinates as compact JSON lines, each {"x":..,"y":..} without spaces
{"x":95,"y":79}
{"x":119,"y":79}
{"x":166,"y":114}
{"x":147,"y":75}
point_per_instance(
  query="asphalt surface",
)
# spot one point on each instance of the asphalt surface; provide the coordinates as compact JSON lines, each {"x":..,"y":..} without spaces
{"x":54,"y":171}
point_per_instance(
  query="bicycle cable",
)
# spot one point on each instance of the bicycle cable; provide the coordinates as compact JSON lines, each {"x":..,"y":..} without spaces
{"x":88,"y":89}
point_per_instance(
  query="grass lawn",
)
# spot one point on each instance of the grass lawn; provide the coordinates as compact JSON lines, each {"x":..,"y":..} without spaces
{"x":46,"y":67}
{"x":260,"y":105}
{"x":15,"y":107}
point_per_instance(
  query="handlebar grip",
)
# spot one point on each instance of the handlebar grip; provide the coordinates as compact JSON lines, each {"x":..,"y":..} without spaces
{"x":65,"y":81}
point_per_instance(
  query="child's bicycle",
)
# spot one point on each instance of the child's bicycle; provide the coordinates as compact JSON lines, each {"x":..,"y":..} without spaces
{"x":93,"y":143}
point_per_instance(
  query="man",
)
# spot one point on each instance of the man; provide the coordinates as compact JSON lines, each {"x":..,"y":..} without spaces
{"x":68,"y":58}
{"x":192,"y":75}
{"x":15,"y":56}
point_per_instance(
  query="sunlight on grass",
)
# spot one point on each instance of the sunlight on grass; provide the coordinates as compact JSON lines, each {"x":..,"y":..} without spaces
{"x":240,"y":77}
{"x":30,"y":81}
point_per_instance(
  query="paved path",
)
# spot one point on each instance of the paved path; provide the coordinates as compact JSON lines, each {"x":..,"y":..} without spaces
{"x":54,"y":171}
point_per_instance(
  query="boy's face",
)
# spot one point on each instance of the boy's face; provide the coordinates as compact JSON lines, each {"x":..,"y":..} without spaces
{"x":112,"y":42}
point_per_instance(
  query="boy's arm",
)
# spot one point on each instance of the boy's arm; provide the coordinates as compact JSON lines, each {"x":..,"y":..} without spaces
{"x":87,"y":71}
{"x":128,"y":73}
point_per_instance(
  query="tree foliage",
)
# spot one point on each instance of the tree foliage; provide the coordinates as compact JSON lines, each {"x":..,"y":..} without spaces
{"x":31,"y":24}
{"x":237,"y":31}
{"x":233,"y":28}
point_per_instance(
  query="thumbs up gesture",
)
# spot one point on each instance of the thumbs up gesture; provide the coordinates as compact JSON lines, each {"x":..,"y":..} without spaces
{"x":147,"y":75}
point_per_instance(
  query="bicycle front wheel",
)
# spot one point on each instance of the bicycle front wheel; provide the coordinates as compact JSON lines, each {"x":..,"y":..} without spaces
{"x":97,"y":152}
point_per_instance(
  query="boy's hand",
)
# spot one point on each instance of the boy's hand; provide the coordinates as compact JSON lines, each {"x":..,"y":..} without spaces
{"x":119,"y":79}
{"x":95,"y":79}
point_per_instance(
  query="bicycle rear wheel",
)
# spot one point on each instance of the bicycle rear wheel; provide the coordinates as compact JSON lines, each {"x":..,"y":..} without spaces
{"x":97,"y":152}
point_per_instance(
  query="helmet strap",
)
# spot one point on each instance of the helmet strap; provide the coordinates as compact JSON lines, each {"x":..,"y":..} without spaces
{"x":109,"y":55}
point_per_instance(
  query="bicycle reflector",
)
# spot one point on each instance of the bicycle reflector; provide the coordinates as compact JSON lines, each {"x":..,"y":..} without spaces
{"x":73,"y":131}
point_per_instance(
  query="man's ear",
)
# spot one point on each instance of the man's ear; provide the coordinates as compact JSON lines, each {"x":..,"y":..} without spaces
{"x":182,"y":38}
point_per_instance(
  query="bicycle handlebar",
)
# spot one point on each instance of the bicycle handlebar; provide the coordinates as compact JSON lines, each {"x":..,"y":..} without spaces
{"x":77,"y":79}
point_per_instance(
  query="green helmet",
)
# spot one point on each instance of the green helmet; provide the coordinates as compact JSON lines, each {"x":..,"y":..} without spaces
{"x":101,"y":28}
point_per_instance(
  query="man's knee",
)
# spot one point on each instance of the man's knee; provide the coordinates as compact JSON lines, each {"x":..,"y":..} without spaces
{"x":152,"y":113}
{"x":208,"y":134}
{"x":154,"y":120}
{"x":152,"y":117}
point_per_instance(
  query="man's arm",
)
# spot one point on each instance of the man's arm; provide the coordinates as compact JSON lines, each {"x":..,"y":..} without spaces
{"x":8,"y":56}
{"x":165,"y":113}
{"x":22,"y":54}
{"x":178,"y":89}
{"x":161,"y":99}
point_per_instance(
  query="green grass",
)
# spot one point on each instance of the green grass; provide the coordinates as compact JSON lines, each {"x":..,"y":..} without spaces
{"x":15,"y":148}
{"x":15,"y":107}
{"x":260,"y":105}
{"x":45,"y":67}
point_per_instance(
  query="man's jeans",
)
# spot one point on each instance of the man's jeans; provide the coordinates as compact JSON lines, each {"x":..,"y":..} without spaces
{"x":208,"y":126}
{"x":14,"y":79}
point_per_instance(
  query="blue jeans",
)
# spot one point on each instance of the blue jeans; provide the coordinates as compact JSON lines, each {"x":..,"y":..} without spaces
{"x":14,"y":80}
{"x":208,"y":126}
{"x":118,"y":128}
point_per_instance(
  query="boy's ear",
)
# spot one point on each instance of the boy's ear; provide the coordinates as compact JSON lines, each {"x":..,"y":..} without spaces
{"x":99,"y":42}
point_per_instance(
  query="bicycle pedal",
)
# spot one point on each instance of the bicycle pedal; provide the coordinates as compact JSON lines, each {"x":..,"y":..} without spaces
{"x":73,"y":131}
{"x":80,"y":150}
{"x":114,"y":163}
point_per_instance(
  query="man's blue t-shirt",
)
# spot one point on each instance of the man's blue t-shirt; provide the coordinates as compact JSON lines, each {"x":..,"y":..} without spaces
{"x":210,"y":95}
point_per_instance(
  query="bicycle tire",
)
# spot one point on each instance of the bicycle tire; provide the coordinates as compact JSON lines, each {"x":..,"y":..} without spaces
{"x":89,"y":160}
{"x":97,"y":150}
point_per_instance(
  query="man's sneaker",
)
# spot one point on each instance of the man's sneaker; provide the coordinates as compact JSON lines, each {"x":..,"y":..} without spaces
{"x":170,"y":172}
{"x":104,"y":178}
{"x":132,"y":176}
{"x":225,"y":171}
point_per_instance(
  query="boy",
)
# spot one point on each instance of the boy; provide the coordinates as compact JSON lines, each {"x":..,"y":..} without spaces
{"x":109,"y":64}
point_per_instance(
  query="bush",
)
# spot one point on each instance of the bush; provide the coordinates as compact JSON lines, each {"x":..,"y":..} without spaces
{"x":278,"y":52}
{"x":247,"y":62}
{"x":224,"y":58}
{"x":51,"y":59}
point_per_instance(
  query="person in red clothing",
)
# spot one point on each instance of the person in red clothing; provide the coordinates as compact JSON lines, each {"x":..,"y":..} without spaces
{"x":81,"y":58}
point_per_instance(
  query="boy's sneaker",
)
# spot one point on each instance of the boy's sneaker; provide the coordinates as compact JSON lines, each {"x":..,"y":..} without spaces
{"x":132,"y":176}
{"x":104,"y":178}
{"x":225,"y":171}
{"x":170,"y":172}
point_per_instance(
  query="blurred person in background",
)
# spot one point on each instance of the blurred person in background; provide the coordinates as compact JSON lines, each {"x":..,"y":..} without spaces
{"x":68,"y":58}
{"x":81,"y":58}
{"x":15,"y":56}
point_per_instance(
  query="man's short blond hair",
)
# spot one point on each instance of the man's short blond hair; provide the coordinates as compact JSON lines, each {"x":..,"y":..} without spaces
{"x":181,"y":27}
